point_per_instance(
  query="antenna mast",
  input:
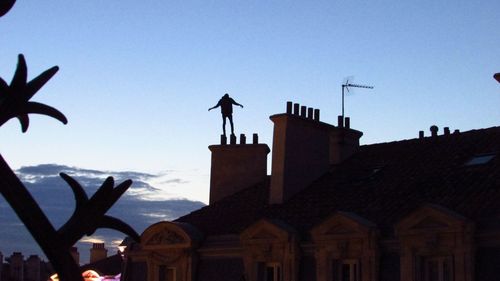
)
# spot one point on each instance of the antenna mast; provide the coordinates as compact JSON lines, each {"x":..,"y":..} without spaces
{"x":346,"y":86}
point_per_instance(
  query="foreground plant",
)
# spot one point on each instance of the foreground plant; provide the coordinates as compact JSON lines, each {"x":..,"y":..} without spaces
{"x":89,"y":214}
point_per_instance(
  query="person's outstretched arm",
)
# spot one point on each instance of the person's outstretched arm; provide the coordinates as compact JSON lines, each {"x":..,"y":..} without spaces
{"x":215,"y":106}
{"x":235,"y":103}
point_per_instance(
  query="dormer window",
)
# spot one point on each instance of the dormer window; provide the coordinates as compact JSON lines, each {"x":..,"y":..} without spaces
{"x":436,"y":245}
{"x":480,"y":159}
{"x":166,"y":253}
{"x":270,"y":251}
{"x":345,"y":248}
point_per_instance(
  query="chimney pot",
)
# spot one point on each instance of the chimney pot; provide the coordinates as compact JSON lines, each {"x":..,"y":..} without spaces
{"x":243,"y":139}
{"x":347,"y":122}
{"x":232,"y":139}
{"x":340,"y":121}
{"x":316,"y":115}
{"x":255,"y":139}
{"x":303,"y":111}
{"x":310,"y":113}
{"x":296,"y":107}
{"x":456,"y":131}
{"x":223,"y":139}
{"x":446,"y":131}
{"x":420,"y":134}
{"x":289,"y":105}
{"x":434,"y":130}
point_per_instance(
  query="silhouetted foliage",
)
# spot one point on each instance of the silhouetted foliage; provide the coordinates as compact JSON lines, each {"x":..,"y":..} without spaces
{"x":89,"y":214}
{"x":5,"y":6}
{"x":14,"y":99}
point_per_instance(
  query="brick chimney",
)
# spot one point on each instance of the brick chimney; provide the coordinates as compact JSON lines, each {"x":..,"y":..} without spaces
{"x":236,"y":166}
{"x":98,"y":252}
{"x":304,"y":149}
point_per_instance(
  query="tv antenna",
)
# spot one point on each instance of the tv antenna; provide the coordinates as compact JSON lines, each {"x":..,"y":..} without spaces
{"x":346,"y":86}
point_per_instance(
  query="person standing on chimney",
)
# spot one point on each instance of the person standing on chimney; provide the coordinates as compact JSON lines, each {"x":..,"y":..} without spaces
{"x":226,"y":108}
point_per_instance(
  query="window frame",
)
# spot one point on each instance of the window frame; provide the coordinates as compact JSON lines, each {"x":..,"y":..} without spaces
{"x":263,"y":271}
{"x":165,"y":274}
{"x":440,"y":261}
{"x":354,"y":266}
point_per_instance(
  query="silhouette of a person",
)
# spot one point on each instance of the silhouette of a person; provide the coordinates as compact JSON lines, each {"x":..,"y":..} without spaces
{"x":226,"y":108}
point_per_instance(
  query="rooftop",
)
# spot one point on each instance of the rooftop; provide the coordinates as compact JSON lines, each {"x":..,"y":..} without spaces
{"x":381,"y":183}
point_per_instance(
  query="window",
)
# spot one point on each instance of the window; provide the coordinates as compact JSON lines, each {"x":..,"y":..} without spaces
{"x":166,"y":273}
{"x":437,"y":269}
{"x":270,"y":271}
{"x":346,"y":270}
{"x":480,"y":159}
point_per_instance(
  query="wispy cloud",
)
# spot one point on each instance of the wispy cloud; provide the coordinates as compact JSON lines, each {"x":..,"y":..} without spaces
{"x":93,"y":239}
{"x":146,"y":186}
{"x":175,"y":181}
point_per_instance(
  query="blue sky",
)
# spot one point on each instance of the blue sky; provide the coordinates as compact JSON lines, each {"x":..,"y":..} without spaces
{"x":136,"y":78}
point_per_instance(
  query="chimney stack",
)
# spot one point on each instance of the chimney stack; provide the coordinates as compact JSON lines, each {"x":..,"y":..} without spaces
{"x":446,"y":131}
{"x":434,"y":131}
{"x":420,"y":134}
{"x":75,"y":254}
{"x":98,"y":252}
{"x":344,"y":141}
{"x":304,"y":149}
{"x":236,"y":166}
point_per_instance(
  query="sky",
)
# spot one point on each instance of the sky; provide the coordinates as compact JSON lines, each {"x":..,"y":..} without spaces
{"x":136,"y":77}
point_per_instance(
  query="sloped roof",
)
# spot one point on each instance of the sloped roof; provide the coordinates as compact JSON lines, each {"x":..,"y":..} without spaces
{"x":381,"y":183}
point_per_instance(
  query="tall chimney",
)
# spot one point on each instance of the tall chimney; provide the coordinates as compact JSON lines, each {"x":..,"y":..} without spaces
{"x":98,"y":252}
{"x":300,"y":154}
{"x":236,"y":167}
{"x":303,"y":150}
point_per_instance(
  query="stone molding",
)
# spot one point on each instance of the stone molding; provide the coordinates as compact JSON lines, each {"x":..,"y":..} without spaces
{"x":435,"y":231}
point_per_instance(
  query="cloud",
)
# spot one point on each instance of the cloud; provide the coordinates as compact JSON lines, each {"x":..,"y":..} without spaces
{"x":147,"y":201}
{"x":93,"y":239}
{"x":176,"y":181}
{"x":55,"y":169}
{"x":143,"y":187}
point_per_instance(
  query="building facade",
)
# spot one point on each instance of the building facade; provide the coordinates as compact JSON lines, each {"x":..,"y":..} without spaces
{"x":16,"y":268}
{"x":424,"y":209}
